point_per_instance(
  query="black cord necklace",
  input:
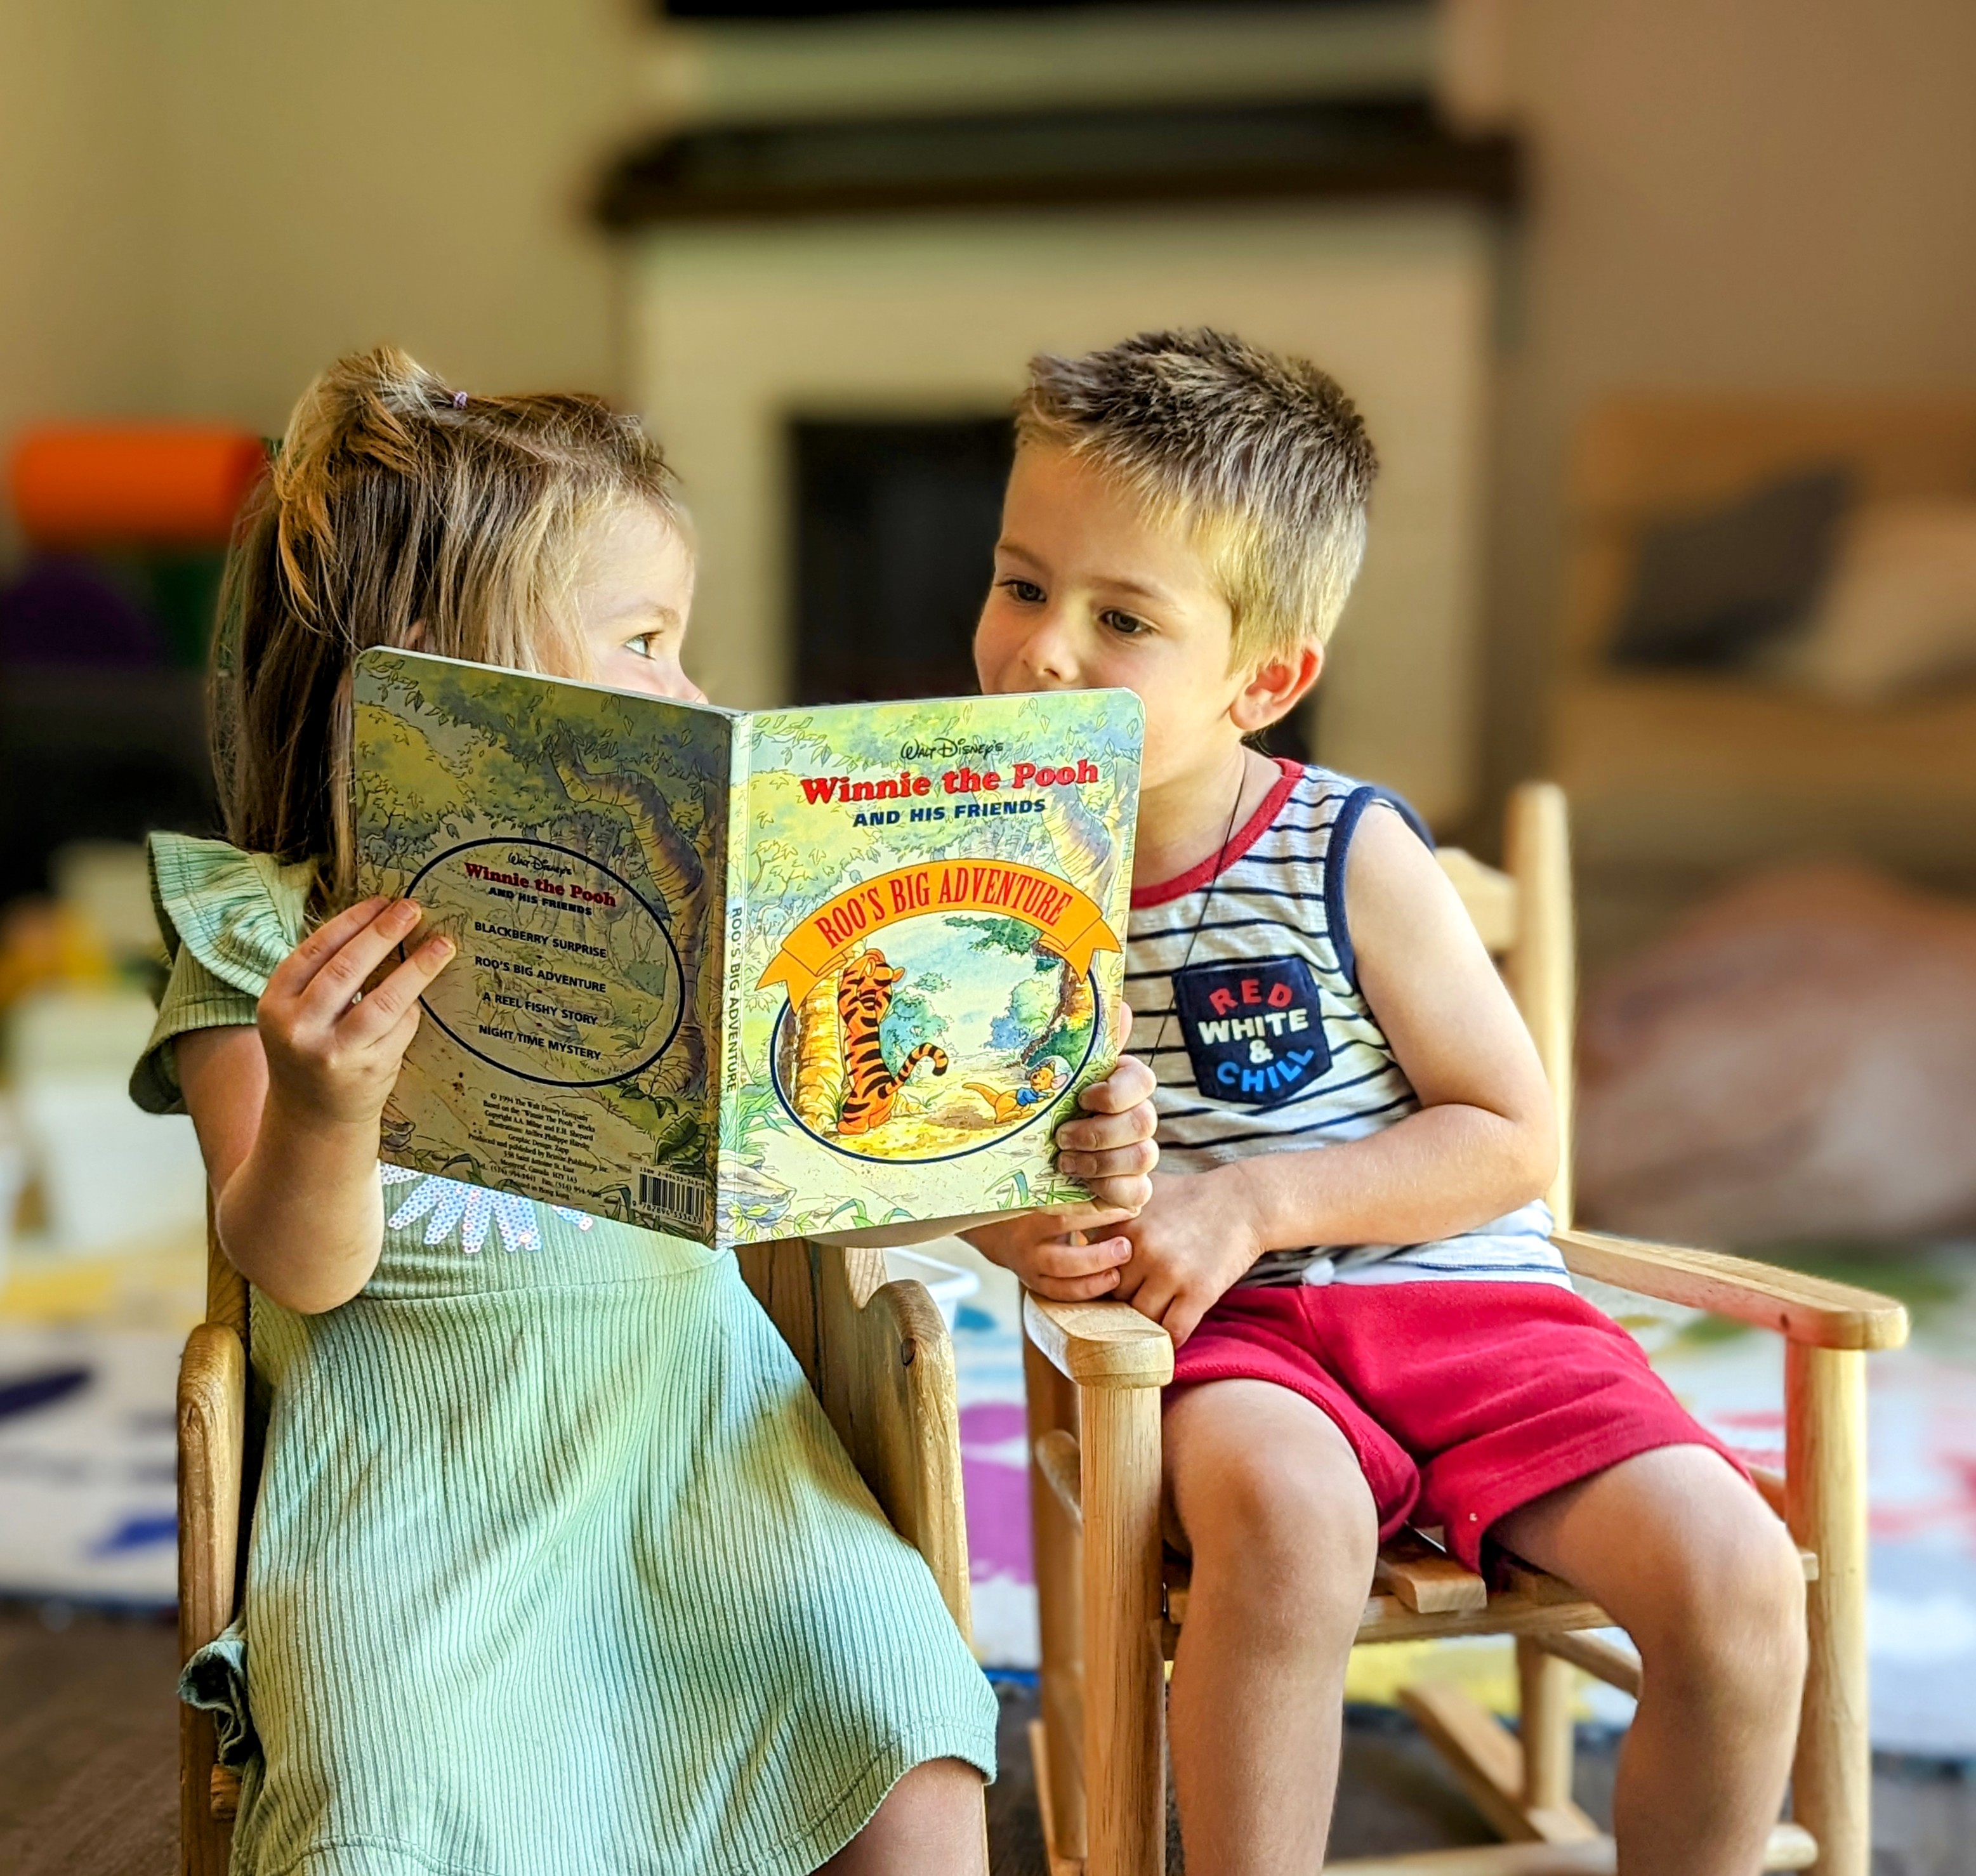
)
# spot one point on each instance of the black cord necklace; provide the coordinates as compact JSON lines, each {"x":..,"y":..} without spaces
{"x":1201,"y":918}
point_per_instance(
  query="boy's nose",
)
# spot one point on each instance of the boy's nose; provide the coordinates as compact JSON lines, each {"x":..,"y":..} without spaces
{"x":1048,"y":657}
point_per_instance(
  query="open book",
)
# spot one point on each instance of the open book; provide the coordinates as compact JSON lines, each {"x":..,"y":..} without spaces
{"x":740,"y":976}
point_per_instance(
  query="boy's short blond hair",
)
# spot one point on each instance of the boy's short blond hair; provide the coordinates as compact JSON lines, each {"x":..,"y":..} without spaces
{"x":1262,"y":457}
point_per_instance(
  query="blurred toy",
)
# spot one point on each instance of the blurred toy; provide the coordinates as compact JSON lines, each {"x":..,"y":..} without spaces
{"x":43,"y":942}
{"x":82,"y":485}
{"x":127,"y":526}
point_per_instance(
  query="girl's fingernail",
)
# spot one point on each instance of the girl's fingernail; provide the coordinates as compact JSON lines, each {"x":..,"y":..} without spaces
{"x":442,"y":948}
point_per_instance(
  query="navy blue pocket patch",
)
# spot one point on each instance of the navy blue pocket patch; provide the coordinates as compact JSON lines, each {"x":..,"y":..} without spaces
{"x":1253,"y":1030}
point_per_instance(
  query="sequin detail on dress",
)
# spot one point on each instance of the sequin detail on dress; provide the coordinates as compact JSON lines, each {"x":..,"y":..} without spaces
{"x":447,"y":1206}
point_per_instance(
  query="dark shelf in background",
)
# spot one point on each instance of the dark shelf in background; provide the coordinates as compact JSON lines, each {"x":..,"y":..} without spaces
{"x":98,"y":755}
{"x":1365,"y":149}
{"x":895,"y":523}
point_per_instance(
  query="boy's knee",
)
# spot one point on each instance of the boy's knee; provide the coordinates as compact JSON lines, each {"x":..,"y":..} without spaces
{"x":1734,"y":1615}
{"x":1297,"y":1532}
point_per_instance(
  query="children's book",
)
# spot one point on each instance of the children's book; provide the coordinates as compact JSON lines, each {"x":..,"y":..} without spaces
{"x":740,"y":975}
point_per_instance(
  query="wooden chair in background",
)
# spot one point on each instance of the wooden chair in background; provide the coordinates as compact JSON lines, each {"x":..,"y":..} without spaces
{"x":876,"y":1352}
{"x":1112,"y":1602}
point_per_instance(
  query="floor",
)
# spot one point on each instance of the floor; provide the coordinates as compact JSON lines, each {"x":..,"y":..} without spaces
{"x":88,"y":1740}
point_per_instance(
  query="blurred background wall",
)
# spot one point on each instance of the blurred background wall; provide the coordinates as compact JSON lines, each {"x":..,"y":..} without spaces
{"x":200,"y":203}
{"x":1766,"y":195}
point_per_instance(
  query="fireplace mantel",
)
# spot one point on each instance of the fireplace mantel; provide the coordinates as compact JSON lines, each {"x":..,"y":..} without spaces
{"x":1333,"y":150}
{"x":867,"y":272}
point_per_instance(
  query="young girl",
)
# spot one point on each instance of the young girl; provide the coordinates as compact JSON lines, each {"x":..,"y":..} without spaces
{"x":556,"y":1565}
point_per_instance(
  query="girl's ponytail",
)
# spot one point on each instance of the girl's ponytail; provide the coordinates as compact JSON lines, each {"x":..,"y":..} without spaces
{"x":398,"y":510}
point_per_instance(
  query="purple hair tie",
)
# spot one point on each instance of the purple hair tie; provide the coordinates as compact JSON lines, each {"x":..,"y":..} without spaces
{"x":459,"y":400}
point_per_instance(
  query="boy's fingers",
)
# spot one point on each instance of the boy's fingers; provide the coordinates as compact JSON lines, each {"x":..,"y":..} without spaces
{"x":291,"y":976}
{"x":1153,"y":1299}
{"x":1131,"y":1195}
{"x":1075,"y":1289}
{"x":1130,"y":1084}
{"x":1059,"y":1258}
{"x":1103,"y":1133}
{"x":1063,"y":1219}
{"x":1182,"y":1318}
{"x":1132,"y":1162}
{"x":381,"y":1011}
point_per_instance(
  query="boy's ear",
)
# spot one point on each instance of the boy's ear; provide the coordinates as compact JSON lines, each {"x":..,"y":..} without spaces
{"x":1275,"y":687}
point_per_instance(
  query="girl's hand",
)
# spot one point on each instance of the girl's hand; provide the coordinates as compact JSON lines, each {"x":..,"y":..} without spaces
{"x":1113,"y":1153}
{"x":333,"y":1048}
{"x":1055,"y":1253}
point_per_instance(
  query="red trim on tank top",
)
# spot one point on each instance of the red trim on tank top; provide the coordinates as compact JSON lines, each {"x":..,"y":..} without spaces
{"x":1195,"y":877}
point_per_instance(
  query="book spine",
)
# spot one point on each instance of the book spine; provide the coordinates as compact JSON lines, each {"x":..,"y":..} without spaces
{"x":733,"y":949}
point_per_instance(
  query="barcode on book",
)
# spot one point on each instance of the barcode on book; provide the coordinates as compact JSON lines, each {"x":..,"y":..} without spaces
{"x":681,"y":1200}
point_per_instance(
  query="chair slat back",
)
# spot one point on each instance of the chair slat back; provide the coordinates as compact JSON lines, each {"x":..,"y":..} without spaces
{"x":1523,"y":916}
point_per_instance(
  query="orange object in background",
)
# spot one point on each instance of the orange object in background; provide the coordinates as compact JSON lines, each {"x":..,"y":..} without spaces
{"x":77,"y":486}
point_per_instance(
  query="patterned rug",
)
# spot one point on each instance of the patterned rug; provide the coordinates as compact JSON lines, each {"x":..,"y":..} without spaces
{"x":89,"y":1352}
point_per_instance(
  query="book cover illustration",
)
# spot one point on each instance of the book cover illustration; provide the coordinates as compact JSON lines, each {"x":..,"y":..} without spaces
{"x":931,"y":948}
{"x":742,"y":976}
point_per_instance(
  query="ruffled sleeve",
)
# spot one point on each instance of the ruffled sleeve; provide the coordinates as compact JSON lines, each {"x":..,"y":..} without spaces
{"x":227,"y":918}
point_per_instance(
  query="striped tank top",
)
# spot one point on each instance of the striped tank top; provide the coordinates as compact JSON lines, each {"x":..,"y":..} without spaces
{"x":1246,"y":1005}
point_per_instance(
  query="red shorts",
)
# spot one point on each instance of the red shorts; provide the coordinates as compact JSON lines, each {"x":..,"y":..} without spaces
{"x":1462,"y":1401}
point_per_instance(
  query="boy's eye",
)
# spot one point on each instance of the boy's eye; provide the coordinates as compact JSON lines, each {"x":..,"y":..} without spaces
{"x":1024,"y":591}
{"x":1126,"y":624}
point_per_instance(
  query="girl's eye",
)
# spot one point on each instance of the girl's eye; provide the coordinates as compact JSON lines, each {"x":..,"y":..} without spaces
{"x":1026,"y":592}
{"x":1124,"y":624}
{"x":641,"y":646}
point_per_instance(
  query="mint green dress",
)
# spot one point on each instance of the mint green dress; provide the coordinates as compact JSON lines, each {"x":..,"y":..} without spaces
{"x":556,"y":1566}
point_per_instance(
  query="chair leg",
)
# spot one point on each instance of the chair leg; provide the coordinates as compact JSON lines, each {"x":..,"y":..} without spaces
{"x":1825,"y":1417}
{"x":1125,"y":1711}
{"x":1544,"y":1688}
{"x":1057,"y":1549}
{"x":212,"y":1422}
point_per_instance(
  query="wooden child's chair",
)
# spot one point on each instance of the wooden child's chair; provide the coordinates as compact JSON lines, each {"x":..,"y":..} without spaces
{"x":1113,"y":1602}
{"x":876,"y":1352}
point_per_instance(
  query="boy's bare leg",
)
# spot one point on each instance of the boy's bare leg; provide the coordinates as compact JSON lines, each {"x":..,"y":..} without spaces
{"x":930,"y":1825}
{"x":1700,"y":1573}
{"x":1269,"y":1499}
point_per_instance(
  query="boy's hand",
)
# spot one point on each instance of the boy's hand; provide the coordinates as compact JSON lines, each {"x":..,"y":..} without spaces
{"x":1196,"y":1237}
{"x":333,"y":1056}
{"x":1113,"y":1152}
{"x":1066,"y":1255}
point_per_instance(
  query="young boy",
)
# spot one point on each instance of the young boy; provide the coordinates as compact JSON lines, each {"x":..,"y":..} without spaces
{"x":1346,"y":1240}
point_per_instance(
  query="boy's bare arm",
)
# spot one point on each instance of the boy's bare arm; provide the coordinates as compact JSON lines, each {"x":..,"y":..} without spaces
{"x":1485,"y":1142}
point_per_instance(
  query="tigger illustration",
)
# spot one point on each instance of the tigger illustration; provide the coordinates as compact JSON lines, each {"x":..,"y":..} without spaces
{"x":864,"y":995}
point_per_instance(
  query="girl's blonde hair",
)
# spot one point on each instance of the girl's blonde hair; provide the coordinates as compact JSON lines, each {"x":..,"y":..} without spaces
{"x":398,"y":511}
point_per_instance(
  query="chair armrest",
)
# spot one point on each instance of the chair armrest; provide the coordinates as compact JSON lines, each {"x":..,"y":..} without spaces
{"x":1811,"y":1310}
{"x":1100,"y":1344}
{"x":886,"y":1380}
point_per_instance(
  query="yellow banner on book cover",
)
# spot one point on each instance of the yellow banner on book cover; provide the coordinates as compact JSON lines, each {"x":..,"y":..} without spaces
{"x":1071,"y":923}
